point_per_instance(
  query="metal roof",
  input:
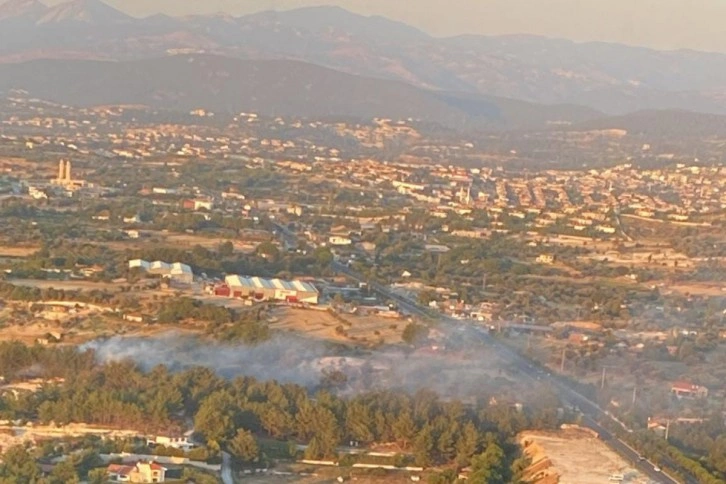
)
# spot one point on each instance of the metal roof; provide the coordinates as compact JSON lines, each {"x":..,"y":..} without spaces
{"x":274,"y":284}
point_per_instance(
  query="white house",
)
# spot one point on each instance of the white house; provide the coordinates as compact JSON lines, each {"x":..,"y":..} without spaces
{"x":339,"y":240}
{"x":181,"y":443}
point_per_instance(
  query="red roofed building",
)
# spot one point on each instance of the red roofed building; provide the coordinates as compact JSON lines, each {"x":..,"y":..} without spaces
{"x":141,"y":472}
{"x":684,"y":389}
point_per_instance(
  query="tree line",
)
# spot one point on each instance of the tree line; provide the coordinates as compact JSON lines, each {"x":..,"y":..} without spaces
{"x":238,"y":415}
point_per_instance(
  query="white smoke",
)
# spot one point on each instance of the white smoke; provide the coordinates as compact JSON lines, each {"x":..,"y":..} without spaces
{"x":294,"y":359}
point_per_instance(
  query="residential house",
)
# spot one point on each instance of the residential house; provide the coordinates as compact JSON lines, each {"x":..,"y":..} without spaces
{"x":339,"y":240}
{"x":141,"y":472}
{"x":177,"y":442}
{"x":546,"y":259}
{"x":684,"y":389}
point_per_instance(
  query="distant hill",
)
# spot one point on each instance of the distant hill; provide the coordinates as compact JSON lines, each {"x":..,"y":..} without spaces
{"x":273,"y":87}
{"x":22,"y":9}
{"x":83,"y":11}
{"x":608,"y":77}
{"x":662,"y":123}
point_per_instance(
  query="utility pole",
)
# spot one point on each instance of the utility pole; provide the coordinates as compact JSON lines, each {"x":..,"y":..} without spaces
{"x":602,"y":379}
{"x":562,"y":362}
{"x":635,"y":388}
{"x":668,"y":428}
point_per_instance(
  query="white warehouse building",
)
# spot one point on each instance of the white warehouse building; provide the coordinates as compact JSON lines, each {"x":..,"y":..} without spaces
{"x":175,"y":271}
{"x":272,"y":289}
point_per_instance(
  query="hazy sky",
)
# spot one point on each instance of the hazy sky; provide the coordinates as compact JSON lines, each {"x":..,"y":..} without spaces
{"x":667,"y":24}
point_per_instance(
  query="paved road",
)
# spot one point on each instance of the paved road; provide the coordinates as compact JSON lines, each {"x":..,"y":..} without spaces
{"x":592,"y":413}
{"x":227,"y":469}
{"x":643,"y":465}
{"x":289,"y":238}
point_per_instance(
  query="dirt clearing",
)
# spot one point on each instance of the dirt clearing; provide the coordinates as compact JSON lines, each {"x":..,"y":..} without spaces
{"x":347,"y":328}
{"x":19,"y":252}
{"x":574,"y":456}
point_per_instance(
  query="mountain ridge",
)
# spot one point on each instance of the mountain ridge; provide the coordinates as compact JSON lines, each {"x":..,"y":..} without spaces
{"x":85,"y":11}
{"x":612,"y":78}
{"x":271,"y":87}
{"x":23,"y":9}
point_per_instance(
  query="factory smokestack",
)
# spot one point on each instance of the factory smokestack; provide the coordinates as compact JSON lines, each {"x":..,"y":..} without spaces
{"x":61,"y":170}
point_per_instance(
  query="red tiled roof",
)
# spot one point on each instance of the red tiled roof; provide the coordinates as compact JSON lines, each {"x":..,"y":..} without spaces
{"x":122,"y":470}
{"x":125,"y":470}
{"x":684,"y":386}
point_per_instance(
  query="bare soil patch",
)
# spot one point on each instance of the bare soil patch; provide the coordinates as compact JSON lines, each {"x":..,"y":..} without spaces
{"x":15,"y":251}
{"x":573,"y":456}
{"x":346,"y":328}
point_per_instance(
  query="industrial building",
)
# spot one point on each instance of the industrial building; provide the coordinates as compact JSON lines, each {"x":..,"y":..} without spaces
{"x":268,"y":289}
{"x":65,"y":178}
{"x":176,"y":271}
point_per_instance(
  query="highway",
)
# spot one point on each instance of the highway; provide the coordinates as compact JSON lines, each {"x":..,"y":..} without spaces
{"x":592,"y":413}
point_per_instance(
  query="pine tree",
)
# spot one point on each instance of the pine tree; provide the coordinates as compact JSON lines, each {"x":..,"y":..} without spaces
{"x":468,"y":445}
{"x":423,"y":446}
{"x":404,"y":429}
{"x":244,"y":447}
{"x":64,"y":473}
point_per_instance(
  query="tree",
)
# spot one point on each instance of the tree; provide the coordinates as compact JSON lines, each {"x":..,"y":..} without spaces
{"x":425,"y":297}
{"x":226,"y":249}
{"x":423,"y":445}
{"x":97,"y":476}
{"x":244,"y":447}
{"x":19,"y":467}
{"x":413,"y":332}
{"x":215,"y":418}
{"x":359,"y":422}
{"x":467,"y":445}
{"x":489,"y":466}
{"x":64,"y":473}
{"x":197,"y":477}
{"x":447,"y":477}
{"x":404,"y":429}
{"x":268,"y":250}
{"x":333,"y":379}
{"x":446,"y":444}
{"x":314,"y":450}
{"x":323,"y":256}
{"x":276,"y":422}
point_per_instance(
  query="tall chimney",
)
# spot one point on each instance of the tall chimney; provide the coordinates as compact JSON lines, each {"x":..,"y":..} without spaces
{"x":68,"y":171}
{"x":61,"y":170}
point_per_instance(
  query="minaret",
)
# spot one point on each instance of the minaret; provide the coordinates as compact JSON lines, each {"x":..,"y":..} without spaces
{"x":61,"y":170}
{"x":68,"y":172}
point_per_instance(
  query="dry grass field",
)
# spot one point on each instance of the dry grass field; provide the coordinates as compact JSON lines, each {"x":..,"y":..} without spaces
{"x":367,"y":330}
{"x":15,"y":251}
